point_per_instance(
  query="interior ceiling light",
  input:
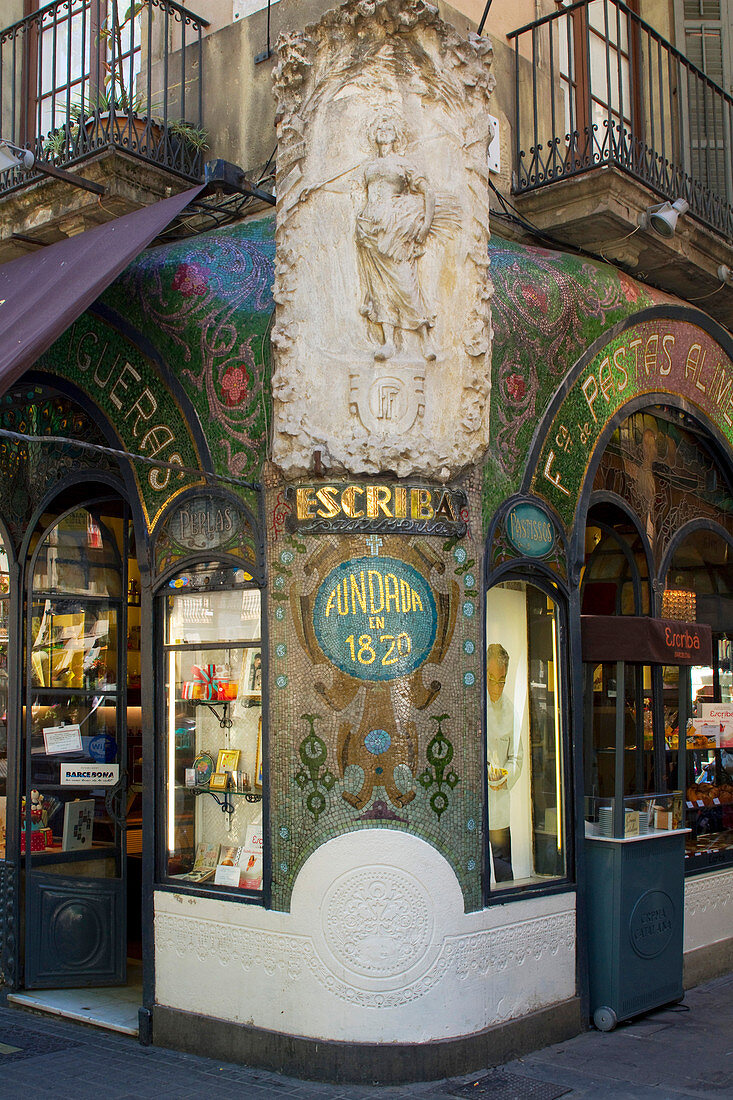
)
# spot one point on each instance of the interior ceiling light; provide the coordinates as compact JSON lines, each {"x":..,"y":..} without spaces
{"x":662,"y":218}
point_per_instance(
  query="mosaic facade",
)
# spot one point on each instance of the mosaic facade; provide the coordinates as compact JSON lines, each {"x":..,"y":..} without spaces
{"x":375,"y":722}
{"x":548,"y":309}
{"x":379,"y":726}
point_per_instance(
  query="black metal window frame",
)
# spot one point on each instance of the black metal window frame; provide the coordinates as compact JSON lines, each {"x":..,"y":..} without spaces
{"x":162,"y":880}
{"x":531,"y":571}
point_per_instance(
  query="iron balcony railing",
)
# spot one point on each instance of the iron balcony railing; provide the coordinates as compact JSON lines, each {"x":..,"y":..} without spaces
{"x":79,"y":76}
{"x":596,"y":86}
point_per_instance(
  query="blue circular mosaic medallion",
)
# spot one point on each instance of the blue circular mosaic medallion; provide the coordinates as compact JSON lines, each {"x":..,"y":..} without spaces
{"x":471,"y":825}
{"x":460,"y":554}
{"x":284,"y":832}
{"x":279,"y":614}
{"x":471,"y":864}
{"x":377,"y":741}
{"x":284,"y":867}
{"x":279,"y":582}
{"x":469,"y":679}
{"x":375,"y":618}
{"x":281,"y":649}
{"x":281,"y":681}
{"x":468,"y":609}
{"x":470,"y":580}
{"x":469,"y":647}
{"x":286,"y":557}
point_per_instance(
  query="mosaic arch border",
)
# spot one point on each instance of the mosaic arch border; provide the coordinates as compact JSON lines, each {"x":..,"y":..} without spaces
{"x":677,"y":342}
{"x":118,"y":475}
{"x":57,"y":367}
{"x":254,"y":519}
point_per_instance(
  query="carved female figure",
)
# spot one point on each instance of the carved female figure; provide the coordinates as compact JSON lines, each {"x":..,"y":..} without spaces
{"x":391,"y":231}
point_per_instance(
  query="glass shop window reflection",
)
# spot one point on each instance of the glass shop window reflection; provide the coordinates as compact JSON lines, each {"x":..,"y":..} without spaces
{"x":524,"y":737}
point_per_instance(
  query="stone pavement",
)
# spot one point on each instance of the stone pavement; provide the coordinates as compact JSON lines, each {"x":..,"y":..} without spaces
{"x":675,"y":1053}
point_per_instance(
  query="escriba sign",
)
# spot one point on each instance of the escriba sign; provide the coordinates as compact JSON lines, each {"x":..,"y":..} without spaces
{"x":351,"y":507}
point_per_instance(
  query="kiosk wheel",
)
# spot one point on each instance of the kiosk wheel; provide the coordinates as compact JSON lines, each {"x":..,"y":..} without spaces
{"x":604,"y":1018}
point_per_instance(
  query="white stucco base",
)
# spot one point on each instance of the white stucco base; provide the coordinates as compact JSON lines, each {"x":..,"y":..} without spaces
{"x":708,"y":909}
{"x":376,"y":948}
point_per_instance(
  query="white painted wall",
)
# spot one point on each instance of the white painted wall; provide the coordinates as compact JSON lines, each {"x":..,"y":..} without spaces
{"x":708,"y":909}
{"x":376,"y":948}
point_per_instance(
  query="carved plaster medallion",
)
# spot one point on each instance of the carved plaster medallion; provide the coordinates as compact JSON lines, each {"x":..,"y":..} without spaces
{"x":377,"y":923}
{"x":382,"y":336}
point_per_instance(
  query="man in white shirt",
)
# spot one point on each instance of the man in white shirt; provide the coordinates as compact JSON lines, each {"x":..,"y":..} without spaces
{"x":504,"y":756}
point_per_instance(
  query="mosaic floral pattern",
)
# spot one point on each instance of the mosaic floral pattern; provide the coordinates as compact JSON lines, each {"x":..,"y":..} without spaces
{"x":206,"y":305}
{"x":547,"y":308}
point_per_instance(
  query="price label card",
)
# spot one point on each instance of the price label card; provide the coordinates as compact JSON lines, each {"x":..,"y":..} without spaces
{"x":700,"y":802}
{"x":62,"y":739}
{"x":227,"y":876}
{"x":690,"y":805}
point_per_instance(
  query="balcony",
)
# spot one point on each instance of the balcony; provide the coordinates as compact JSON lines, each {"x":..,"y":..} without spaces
{"x":611,"y":118}
{"x":109,"y":91}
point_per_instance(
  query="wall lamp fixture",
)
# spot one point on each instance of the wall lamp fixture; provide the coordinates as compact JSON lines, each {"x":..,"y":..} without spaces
{"x":11,"y":156}
{"x":662,"y":218}
{"x":725,"y":274}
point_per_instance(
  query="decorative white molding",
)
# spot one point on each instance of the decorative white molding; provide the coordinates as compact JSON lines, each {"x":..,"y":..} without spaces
{"x":475,"y":955}
{"x":706,"y":893}
{"x":377,"y":923}
{"x":708,"y":909}
{"x":383,"y":334}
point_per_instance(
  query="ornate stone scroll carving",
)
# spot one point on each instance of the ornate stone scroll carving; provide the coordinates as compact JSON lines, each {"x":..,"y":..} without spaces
{"x":382,"y":337}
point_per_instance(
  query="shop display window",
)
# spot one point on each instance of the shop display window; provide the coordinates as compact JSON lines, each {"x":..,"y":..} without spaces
{"x":74,"y":687}
{"x":524,"y":751}
{"x":700,"y":761}
{"x":213,"y":723}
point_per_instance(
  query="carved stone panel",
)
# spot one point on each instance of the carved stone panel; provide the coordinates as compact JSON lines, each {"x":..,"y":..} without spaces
{"x":382,"y":336}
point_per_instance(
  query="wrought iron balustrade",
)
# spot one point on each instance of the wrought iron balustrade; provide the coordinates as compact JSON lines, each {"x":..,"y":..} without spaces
{"x":596,"y":86}
{"x":79,"y":76}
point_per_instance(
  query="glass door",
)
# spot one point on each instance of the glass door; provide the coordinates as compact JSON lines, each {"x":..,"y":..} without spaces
{"x":75,"y":726}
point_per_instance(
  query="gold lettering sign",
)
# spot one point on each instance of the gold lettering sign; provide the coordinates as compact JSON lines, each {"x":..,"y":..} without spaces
{"x":355,"y":506}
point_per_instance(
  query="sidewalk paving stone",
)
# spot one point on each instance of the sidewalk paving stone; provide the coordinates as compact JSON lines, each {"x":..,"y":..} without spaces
{"x":677,"y":1053}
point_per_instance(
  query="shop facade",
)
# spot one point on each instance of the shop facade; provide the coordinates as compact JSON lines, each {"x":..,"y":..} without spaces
{"x":301,"y":712}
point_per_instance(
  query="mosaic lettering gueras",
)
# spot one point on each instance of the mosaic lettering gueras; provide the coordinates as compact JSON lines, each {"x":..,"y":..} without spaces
{"x":375,"y":618}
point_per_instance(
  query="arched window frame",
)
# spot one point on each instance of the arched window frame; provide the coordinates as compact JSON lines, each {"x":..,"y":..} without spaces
{"x":258,"y":573}
{"x":546,"y":580}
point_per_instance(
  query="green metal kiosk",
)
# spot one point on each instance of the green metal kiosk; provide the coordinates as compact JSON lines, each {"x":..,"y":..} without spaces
{"x":635,"y":826}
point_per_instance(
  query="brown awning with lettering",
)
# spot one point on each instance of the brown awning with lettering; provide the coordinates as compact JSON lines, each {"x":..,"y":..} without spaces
{"x":645,"y":641}
{"x":41,"y":294}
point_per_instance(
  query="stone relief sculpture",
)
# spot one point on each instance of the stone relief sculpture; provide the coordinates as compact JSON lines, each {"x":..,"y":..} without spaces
{"x":382,"y":338}
{"x":390,"y":238}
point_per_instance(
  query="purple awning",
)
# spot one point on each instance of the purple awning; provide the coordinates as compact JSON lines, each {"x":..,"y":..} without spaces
{"x":43,"y":293}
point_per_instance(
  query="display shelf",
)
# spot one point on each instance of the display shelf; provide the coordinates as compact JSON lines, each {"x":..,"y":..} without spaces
{"x":248,"y":796}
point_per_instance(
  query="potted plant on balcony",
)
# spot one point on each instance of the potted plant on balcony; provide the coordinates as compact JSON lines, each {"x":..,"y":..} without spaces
{"x":117,"y":112}
{"x":187,"y":144}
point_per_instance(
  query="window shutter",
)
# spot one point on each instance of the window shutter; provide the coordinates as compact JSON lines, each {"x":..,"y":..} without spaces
{"x":703,"y":38}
